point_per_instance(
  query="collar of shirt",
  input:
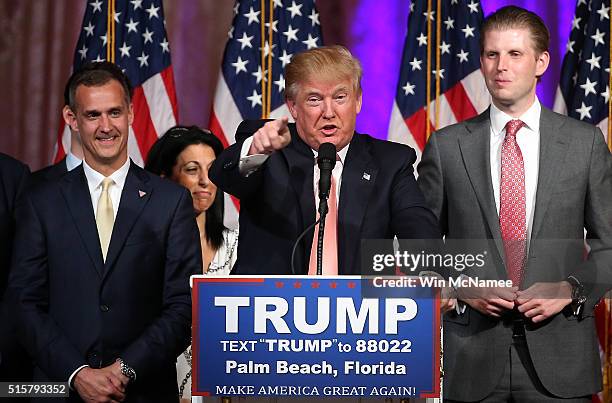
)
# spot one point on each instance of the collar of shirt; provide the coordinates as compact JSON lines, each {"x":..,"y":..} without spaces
{"x":72,"y":161}
{"x":94,"y":182}
{"x":531,"y":118}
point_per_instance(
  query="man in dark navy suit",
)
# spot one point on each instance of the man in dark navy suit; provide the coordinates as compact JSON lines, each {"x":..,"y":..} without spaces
{"x":271,"y":168}
{"x":103,"y":256}
{"x":14,"y":361}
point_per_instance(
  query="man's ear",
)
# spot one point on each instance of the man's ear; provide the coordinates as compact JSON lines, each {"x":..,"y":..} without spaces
{"x":292,"y":109}
{"x":70,"y":118}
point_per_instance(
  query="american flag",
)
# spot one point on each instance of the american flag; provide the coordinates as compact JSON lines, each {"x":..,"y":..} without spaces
{"x":584,"y":89}
{"x":260,"y":45}
{"x":135,"y":39}
{"x":463,"y":93}
{"x":583,"y":93}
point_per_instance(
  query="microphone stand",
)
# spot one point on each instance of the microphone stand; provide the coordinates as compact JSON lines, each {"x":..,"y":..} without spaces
{"x":323,"y":209}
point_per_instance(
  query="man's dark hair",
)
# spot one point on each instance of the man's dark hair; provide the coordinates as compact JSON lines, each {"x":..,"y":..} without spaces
{"x":163,"y":156}
{"x":512,"y":17}
{"x":94,"y":74}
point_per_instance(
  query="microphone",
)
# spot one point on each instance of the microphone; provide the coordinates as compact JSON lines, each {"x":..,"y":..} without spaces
{"x":326,"y":162}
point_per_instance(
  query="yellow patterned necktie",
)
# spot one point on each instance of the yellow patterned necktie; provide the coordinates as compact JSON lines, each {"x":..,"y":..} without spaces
{"x":105,"y":218}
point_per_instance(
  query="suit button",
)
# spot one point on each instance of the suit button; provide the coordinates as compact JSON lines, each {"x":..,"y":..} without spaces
{"x":104,"y":308}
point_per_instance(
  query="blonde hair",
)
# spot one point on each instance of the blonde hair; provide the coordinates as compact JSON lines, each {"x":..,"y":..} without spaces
{"x":327,"y":62}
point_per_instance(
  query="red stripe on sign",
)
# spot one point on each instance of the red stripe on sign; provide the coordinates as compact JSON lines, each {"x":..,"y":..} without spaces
{"x":416,"y":124}
{"x":167,"y":76}
{"x":143,"y":125}
{"x":460,"y":102}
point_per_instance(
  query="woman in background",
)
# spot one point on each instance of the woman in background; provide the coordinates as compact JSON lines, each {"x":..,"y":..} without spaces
{"x":184,"y":155}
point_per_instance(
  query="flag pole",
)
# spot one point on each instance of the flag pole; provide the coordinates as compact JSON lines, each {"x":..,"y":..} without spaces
{"x":269,"y":74}
{"x":428,"y":79}
{"x":609,"y":87}
{"x":438,"y":78}
{"x":263,"y":60}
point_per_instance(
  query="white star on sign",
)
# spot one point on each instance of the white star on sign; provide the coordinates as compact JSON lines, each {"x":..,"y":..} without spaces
{"x":240,"y":65}
{"x":143,"y":59}
{"x":429,"y":15}
{"x":570,"y":46}
{"x":584,"y":111}
{"x":116,"y":16}
{"x":137,"y":4}
{"x":104,"y":39}
{"x":473,"y":7}
{"x":255,"y":99}
{"x":576,"y":23}
{"x":259,"y":75}
{"x":440,"y":73}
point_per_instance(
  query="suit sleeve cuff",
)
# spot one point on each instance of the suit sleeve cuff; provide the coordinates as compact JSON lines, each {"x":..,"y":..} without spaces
{"x":249,"y":163}
{"x":71,"y":378}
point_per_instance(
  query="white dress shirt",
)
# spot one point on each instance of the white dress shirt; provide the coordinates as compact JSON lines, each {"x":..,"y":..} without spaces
{"x":72,"y":161}
{"x":528,"y":139}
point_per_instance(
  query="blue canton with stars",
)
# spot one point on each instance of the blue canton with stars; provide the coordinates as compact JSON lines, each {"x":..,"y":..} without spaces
{"x":295,"y":28}
{"x":459,"y":50}
{"x":141,"y":45}
{"x":586,"y":65}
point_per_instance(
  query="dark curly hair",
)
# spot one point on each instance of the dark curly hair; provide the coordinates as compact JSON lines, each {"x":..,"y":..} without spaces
{"x":163,"y":156}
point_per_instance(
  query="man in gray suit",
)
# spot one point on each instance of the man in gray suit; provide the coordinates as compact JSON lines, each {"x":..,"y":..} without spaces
{"x":531,"y":181}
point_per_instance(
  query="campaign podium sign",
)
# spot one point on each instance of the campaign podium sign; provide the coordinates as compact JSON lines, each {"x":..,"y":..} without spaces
{"x":314,"y":336}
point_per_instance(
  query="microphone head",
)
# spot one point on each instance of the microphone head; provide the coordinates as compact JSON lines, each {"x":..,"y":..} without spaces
{"x":327,"y":151}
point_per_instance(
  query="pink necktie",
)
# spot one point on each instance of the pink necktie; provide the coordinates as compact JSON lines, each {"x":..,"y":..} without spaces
{"x":330,"y":238}
{"x":512,"y":207}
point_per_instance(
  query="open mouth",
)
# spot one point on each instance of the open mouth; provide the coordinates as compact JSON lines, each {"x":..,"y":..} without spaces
{"x":106,"y":139}
{"x":329,"y":130}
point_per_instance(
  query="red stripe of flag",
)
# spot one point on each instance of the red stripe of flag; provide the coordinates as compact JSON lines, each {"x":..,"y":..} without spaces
{"x":167,"y":76}
{"x":416,"y":124}
{"x":460,"y":103}
{"x":144,"y":130}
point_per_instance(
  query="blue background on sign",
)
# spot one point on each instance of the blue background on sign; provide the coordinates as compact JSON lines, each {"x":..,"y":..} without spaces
{"x":211,"y":329}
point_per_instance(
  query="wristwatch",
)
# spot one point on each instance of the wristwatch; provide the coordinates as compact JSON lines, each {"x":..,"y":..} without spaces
{"x":127,"y":370}
{"x":578,"y":297}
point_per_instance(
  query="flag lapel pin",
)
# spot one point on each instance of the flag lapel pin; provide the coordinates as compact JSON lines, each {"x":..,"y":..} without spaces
{"x":366,"y":176}
{"x":141,"y":193}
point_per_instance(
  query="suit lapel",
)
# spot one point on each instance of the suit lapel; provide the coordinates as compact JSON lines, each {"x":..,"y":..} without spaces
{"x":475,"y":151}
{"x":351,"y":210}
{"x":135,"y":195}
{"x":553,"y":148}
{"x":300,"y":161}
{"x":78,"y":199}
